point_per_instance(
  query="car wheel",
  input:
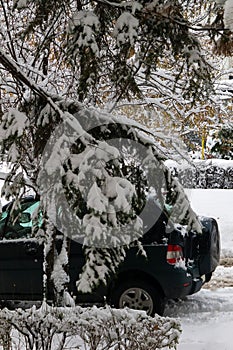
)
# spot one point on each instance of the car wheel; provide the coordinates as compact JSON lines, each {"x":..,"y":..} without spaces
{"x":209,"y":246}
{"x":138,"y":295}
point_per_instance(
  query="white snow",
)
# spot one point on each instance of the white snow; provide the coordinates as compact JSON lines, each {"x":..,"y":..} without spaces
{"x":216,"y":203}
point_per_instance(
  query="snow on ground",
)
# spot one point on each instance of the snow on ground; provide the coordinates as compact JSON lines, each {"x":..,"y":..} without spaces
{"x":206,"y":320}
{"x":207,"y":316}
{"x":218,"y":204}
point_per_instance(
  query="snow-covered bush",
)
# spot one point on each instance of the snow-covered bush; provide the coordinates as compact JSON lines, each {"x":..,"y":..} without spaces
{"x":94,"y":328}
{"x":5,"y":334}
{"x":211,"y":173}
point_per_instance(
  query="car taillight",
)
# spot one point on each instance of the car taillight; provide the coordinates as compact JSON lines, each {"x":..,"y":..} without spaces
{"x":174,"y":254}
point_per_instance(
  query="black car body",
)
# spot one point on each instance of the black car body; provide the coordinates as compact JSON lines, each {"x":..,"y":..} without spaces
{"x":173,"y":268}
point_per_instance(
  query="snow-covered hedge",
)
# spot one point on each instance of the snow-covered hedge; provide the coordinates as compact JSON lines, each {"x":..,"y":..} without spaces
{"x":86,"y":328}
{"x":211,"y":173}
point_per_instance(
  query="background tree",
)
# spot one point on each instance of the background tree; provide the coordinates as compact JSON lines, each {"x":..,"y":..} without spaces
{"x":221,"y":145}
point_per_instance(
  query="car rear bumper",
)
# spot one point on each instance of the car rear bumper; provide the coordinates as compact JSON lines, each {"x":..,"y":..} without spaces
{"x":183,"y":283}
{"x":196,"y":285}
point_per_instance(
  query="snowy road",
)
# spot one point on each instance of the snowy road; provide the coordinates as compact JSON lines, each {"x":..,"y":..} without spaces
{"x":207,"y":317}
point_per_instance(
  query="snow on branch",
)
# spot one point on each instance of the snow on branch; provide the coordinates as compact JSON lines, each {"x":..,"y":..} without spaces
{"x":84,"y":26}
{"x":13,"y":123}
{"x":126,"y":29}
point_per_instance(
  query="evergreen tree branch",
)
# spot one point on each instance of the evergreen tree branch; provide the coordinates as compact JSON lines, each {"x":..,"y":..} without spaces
{"x":13,"y":68}
{"x":11,"y":44}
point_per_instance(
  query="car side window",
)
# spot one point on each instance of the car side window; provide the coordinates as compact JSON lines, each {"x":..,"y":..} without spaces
{"x":25,"y":217}
{"x":3,"y":221}
{"x":19,"y":225}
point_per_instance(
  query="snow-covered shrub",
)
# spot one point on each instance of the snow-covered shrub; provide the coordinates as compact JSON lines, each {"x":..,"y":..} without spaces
{"x":5,"y":334}
{"x":211,"y":173}
{"x":94,"y":328}
{"x":214,"y":173}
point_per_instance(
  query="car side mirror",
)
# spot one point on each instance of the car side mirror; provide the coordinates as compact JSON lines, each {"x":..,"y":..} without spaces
{"x":25,"y":218}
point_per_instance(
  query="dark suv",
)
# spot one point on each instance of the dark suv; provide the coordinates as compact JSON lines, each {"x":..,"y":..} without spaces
{"x":175,"y":266}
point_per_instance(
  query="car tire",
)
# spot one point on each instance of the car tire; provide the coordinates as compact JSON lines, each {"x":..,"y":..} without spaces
{"x":209,"y":245}
{"x":138,"y":295}
{"x":215,"y":244}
